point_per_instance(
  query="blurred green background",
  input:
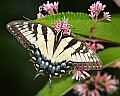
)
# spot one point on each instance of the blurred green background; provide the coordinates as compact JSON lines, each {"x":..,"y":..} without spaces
{"x":16,"y":71}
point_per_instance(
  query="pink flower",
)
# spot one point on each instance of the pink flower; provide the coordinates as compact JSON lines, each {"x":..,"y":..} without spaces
{"x":40,"y":15}
{"x":96,"y":84}
{"x":48,"y":7}
{"x":55,"y":6}
{"x":100,"y":6}
{"x":86,"y":89}
{"x":62,"y":26}
{"x":92,"y":15}
{"x":106,"y":16}
{"x":109,"y":83}
{"x":58,"y":26}
{"x":79,"y":74}
{"x":96,"y":7}
{"x":95,"y":46}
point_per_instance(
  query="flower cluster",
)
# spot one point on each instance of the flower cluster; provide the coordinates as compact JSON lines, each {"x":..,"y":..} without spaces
{"x":106,"y":16}
{"x":63,"y":26}
{"x":40,"y":15}
{"x":94,"y":45}
{"x":96,"y":84}
{"x":95,"y":10}
{"x":86,"y":89}
{"x":48,"y":9}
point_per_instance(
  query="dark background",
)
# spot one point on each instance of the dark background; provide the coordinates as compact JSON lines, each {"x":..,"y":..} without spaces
{"x":16,"y":71}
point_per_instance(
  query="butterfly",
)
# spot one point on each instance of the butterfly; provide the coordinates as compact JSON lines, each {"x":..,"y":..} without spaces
{"x":53,"y":52}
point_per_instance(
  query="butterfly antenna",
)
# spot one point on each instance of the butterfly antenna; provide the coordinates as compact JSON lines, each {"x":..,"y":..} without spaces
{"x":26,"y":18}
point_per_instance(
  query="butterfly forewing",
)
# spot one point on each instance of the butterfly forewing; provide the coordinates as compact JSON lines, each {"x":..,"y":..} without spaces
{"x":54,"y":47}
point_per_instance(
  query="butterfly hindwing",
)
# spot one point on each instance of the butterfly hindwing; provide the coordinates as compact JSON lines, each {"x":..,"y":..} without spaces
{"x":52,"y":50}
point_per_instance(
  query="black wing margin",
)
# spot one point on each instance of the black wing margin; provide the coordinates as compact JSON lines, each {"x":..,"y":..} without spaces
{"x":16,"y":32}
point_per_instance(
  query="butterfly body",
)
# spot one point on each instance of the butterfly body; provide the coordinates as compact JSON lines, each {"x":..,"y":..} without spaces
{"x":53,"y":52}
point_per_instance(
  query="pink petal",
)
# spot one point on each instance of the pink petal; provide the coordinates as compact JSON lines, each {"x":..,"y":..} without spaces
{"x":117,"y":64}
{"x":40,"y":15}
{"x":113,"y":82}
{"x":108,"y":77}
{"x":96,"y":93}
{"x":87,"y":74}
{"x":97,"y":76}
{"x":111,"y":88}
{"x":105,"y":75}
{"x":106,"y":16}
{"x":100,"y":46}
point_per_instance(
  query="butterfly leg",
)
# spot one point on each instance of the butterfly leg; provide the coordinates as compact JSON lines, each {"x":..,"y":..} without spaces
{"x":40,"y":72}
{"x":50,"y":79}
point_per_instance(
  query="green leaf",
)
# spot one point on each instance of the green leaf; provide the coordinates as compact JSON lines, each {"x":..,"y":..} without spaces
{"x":110,"y":54}
{"x":82,"y":24}
{"x":65,"y":83}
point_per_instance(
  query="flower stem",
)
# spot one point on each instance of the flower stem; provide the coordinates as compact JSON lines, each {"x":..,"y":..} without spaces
{"x":94,"y":27}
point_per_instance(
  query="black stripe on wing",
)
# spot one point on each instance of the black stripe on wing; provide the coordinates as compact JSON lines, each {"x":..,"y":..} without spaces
{"x":70,"y":44}
{"x":57,"y":40}
{"x":35,"y":31}
{"x":44,"y":33}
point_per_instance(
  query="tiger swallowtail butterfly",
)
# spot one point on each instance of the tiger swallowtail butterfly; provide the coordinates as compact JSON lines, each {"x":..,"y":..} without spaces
{"x":52,"y":52}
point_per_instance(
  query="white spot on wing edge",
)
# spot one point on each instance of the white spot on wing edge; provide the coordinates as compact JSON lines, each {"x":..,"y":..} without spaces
{"x":25,"y":23}
{"x":8,"y":25}
{"x":15,"y":23}
{"x":24,"y":30}
{"x":25,"y":26}
{"x":19,"y":28}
